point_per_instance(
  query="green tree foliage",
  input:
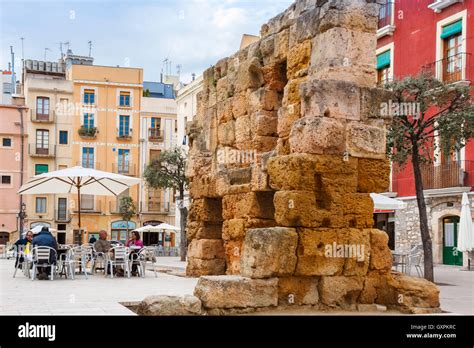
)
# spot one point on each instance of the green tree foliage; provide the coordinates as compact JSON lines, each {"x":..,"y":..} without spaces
{"x":428,"y":115}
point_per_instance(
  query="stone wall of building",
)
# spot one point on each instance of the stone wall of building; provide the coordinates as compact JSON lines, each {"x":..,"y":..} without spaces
{"x":285,"y":148}
{"x":407,"y":222}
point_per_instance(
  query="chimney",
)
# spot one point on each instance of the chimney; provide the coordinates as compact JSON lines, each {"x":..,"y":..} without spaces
{"x":194,"y":76}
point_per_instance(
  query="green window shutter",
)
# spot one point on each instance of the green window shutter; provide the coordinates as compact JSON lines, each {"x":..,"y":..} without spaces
{"x":41,"y":168}
{"x":452,"y":29}
{"x":383,"y":60}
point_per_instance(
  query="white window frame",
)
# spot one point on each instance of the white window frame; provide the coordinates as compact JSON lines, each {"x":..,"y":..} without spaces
{"x":5,"y":186}
{"x":391,"y":47}
{"x":7,"y":147}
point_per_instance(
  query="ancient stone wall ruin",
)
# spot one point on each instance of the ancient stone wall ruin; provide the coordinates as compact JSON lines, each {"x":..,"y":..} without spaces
{"x":287,"y":144}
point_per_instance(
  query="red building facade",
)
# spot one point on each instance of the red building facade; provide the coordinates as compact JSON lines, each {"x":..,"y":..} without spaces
{"x":435,"y":37}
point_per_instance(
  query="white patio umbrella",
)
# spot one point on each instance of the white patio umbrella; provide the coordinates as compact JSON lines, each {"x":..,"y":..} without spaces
{"x":382,"y":202}
{"x":465,"y":236}
{"x":79,"y":180}
{"x":158,"y":228}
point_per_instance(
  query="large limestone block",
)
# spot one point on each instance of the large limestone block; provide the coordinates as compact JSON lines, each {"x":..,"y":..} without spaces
{"x":248,"y":205}
{"x":269,"y":252}
{"x":318,"y":135}
{"x":356,"y":15}
{"x":337,"y":99}
{"x":243,"y":133}
{"x":340,"y":291}
{"x":233,"y":254}
{"x":306,"y":26}
{"x":165,"y":305}
{"x":366,"y":141}
{"x":399,"y":291}
{"x":206,"y":209}
{"x":346,"y":55}
{"x":358,"y":208}
{"x":315,"y":252}
{"x":224,"y":111}
{"x":264,"y":123}
{"x":357,"y":252}
{"x":235,"y":229}
{"x":374,"y":175}
{"x":371,"y":101}
{"x":249,"y":75}
{"x":197,"y":267}
{"x":263,"y":143}
{"x":298,"y":291}
{"x":206,"y":249}
{"x":236,"y":292}
{"x":298,"y":59}
{"x":291,"y":92}
{"x":222,"y":89}
{"x":226,"y":133}
{"x":287,"y":116}
{"x":239,"y":105}
{"x":204,"y":230}
{"x":263,"y":99}
{"x":300,"y":171}
{"x":380,"y":256}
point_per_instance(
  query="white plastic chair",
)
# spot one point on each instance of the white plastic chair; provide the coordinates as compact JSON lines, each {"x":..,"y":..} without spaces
{"x":42,"y":258}
{"x":75,"y":257}
{"x":118,"y":256}
{"x":146,"y":255}
{"x":415,"y":260}
{"x":23,"y":265}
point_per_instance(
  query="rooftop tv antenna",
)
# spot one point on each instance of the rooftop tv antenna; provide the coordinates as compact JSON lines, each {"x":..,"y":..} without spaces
{"x":46,"y":50}
{"x":90,"y":47}
{"x":178,"y":69}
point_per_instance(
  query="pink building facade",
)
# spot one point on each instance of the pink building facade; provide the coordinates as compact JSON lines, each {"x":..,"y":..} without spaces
{"x":12,"y":168}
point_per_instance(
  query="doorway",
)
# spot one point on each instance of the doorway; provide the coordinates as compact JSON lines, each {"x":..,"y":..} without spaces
{"x":451,"y":255}
{"x":4,"y":238}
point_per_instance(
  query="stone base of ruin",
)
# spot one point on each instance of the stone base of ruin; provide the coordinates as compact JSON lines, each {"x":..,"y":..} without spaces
{"x":285,"y":149}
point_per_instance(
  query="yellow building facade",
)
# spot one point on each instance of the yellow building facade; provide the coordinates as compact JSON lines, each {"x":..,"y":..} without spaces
{"x":105,"y":136}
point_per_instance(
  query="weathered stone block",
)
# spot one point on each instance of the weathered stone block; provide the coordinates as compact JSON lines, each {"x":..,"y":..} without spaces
{"x":263,"y":99}
{"x":298,"y":291}
{"x":235,"y":229}
{"x":165,"y":305}
{"x":291,"y":92}
{"x":263,"y":143}
{"x":269,"y":252}
{"x":363,"y":19}
{"x":374,"y":175}
{"x":204,"y":230}
{"x":298,"y":58}
{"x":226,"y":133}
{"x":239,"y":105}
{"x":380,"y":256}
{"x":282,"y":41}
{"x":249,"y":75}
{"x":224,"y":111}
{"x":198,"y":267}
{"x":287,"y":116}
{"x":206,"y":249}
{"x":372,"y":101}
{"x":233,"y":253}
{"x":340,"y":291}
{"x":264,"y":123}
{"x":318,"y":135}
{"x":222,"y":89}
{"x":236,"y":292}
{"x":366,"y":141}
{"x":243,"y":132}
{"x":306,"y":25}
{"x":337,"y":99}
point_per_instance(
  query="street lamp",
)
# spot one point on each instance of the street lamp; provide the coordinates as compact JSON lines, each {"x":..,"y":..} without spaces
{"x":22,"y":216}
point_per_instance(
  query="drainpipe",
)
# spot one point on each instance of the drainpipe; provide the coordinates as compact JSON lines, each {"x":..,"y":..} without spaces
{"x":22,"y":134}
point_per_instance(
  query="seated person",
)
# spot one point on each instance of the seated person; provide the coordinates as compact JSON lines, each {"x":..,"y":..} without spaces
{"x":102,"y":245}
{"x":134,"y":241}
{"x":23,"y":248}
{"x":45,"y":238}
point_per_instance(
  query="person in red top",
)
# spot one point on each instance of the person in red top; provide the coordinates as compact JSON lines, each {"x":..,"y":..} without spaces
{"x":134,"y":241}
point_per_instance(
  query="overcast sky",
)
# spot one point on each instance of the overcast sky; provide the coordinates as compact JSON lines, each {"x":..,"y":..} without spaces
{"x":136,"y":33}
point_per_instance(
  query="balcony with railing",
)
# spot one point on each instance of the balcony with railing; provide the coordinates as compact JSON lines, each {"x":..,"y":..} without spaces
{"x":124,"y":168}
{"x":114,"y":207}
{"x":385,"y":24}
{"x":435,"y":176}
{"x":155,"y":135}
{"x":88,"y":132}
{"x":40,"y":116}
{"x":156,"y":206}
{"x":62,"y":215}
{"x":88,"y":163}
{"x":41,"y":150}
{"x":453,"y":69}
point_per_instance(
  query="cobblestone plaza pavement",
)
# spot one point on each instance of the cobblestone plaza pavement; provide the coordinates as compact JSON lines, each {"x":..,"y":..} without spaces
{"x":103,"y":296}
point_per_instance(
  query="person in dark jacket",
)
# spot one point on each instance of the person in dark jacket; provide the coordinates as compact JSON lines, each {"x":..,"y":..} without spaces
{"x":23,"y":245}
{"x":45,"y":238}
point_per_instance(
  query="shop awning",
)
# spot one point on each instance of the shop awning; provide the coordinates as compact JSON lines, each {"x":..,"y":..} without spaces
{"x":452,"y":29}
{"x":382,"y":202}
